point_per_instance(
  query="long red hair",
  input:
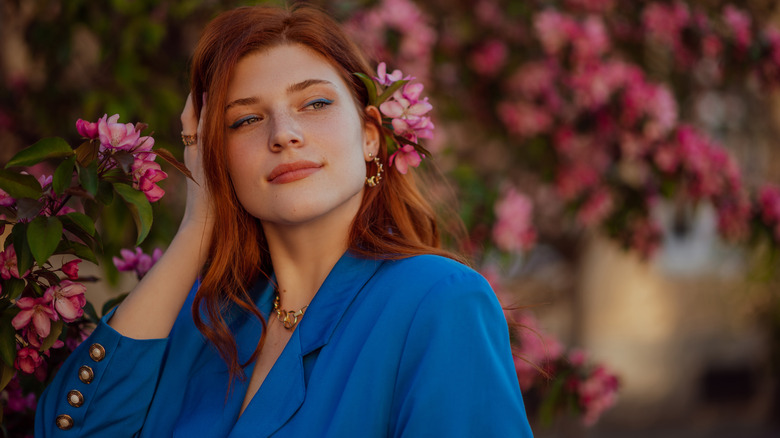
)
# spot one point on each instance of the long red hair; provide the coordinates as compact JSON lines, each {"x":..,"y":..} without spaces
{"x":394,"y":220}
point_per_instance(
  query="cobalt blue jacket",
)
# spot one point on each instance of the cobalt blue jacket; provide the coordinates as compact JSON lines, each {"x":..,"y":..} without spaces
{"x":417,"y":347}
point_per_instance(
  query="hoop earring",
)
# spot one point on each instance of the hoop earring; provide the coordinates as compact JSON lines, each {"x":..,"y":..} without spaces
{"x":373,"y":180}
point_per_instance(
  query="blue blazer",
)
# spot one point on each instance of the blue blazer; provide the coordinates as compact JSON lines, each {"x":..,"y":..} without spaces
{"x":417,"y":347}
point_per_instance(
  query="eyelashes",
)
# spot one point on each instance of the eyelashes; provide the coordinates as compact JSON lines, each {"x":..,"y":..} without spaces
{"x":316,"y":105}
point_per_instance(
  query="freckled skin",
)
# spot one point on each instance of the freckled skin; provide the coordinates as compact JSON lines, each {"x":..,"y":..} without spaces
{"x":272,"y":125}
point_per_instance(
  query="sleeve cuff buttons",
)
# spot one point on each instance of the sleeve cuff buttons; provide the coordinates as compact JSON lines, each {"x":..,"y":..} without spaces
{"x":64,"y":422}
{"x":97,"y":352}
{"x":86,"y":374}
{"x":75,"y":398}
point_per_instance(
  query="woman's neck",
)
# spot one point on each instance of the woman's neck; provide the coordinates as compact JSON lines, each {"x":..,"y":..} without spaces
{"x":304,"y":254}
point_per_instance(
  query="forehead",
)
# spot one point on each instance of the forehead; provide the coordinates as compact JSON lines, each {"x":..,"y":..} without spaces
{"x":275,"y":69}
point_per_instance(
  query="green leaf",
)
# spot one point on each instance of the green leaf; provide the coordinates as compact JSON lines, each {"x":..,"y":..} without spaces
{"x":389,"y":91}
{"x":370,"y":86}
{"x":52,"y":147}
{"x":63,"y":175}
{"x":24,"y":257}
{"x":140,"y":208}
{"x":6,"y":373}
{"x":113,"y":302}
{"x":19,"y":186}
{"x":13,"y":288}
{"x":7,"y":339}
{"x":56,"y":329}
{"x":77,"y":249}
{"x":43,"y":236}
{"x":87,"y":152}
{"x":167,"y":156}
{"x":88,"y":177}
{"x":89,"y":310}
{"x":81,"y":220}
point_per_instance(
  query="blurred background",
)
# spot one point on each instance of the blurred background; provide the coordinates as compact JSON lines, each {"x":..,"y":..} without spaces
{"x":615,"y":164}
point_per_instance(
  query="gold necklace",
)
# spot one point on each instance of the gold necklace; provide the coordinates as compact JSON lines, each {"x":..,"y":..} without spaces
{"x":288,"y":318}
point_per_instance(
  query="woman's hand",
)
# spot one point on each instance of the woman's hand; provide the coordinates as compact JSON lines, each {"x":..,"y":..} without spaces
{"x":199,"y":212}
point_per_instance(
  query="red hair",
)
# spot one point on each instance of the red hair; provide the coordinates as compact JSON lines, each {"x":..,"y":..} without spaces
{"x":394,"y":220}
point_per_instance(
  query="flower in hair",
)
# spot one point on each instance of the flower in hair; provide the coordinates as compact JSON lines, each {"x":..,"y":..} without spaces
{"x":403,"y":110}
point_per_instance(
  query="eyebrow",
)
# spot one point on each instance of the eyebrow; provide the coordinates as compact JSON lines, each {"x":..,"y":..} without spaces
{"x":291,"y":89}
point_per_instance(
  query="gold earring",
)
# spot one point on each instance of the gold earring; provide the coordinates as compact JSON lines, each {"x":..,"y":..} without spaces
{"x":373,"y":180}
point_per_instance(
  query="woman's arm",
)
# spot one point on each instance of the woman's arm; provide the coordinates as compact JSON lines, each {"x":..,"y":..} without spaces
{"x":150,"y":310}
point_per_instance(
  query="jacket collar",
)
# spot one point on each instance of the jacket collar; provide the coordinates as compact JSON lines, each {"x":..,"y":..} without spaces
{"x":284,"y":389}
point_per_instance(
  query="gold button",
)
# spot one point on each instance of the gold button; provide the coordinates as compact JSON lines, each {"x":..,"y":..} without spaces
{"x":64,"y":422}
{"x":97,"y":352}
{"x":85,"y":374}
{"x":75,"y":398}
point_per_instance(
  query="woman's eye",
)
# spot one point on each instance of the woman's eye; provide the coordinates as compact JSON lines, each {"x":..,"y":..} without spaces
{"x":319,"y":104}
{"x":244,"y":121}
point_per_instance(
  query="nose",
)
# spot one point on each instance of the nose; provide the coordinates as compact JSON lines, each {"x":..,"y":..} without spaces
{"x":285,"y":132}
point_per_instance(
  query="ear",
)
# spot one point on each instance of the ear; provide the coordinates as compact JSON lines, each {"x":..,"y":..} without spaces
{"x":371,"y":133}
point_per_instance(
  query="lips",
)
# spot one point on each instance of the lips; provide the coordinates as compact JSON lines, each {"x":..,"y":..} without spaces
{"x":289,"y":172}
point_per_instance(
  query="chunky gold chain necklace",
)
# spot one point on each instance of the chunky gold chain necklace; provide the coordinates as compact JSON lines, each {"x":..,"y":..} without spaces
{"x":288,"y":318}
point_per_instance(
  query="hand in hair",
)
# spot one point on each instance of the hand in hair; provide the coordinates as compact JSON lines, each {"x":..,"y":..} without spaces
{"x":199,"y":209}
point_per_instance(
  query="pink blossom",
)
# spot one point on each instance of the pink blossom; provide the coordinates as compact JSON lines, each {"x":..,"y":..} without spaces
{"x":114,"y":135}
{"x":534,"y":79}
{"x":73,"y":342}
{"x":68,"y":299}
{"x":664,"y":23}
{"x":17,"y":401}
{"x":525,"y":119}
{"x":28,"y":360}
{"x":554,"y":30}
{"x":8,"y":264}
{"x":146,"y":174}
{"x":597,"y":393}
{"x":592,"y":39}
{"x":574,"y":179}
{"x":387,"y":79}
{"x":733,"y":216}
{"x":596,"y":208}
{"x":87,"y":129}
{"x":71,"y":269}
{"x":653,"y":104}
{"x":513,"y":230}
{"x":488,"y":58}
{"x":644,"y":236}
{"x":136,"y":260}
{"x":404,"y":158}
{"x":769,"y":208}
{"x":407,"y":112}
{"x":739,"y":23}
{"x":36,"y":313}
{"x":6,"y":200}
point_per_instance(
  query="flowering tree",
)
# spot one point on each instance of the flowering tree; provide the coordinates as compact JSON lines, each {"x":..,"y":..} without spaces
{"x":580,"y":101}
{"x":44,"y":314}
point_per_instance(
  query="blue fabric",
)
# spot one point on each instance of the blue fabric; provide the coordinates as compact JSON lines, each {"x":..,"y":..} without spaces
{"x":410,"y":348}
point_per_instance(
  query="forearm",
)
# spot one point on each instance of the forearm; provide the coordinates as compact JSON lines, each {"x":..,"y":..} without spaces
{"x":150,"y":310}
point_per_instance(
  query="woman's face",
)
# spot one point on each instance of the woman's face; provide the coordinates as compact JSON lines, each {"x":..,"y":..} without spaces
{"x":296,"y":143}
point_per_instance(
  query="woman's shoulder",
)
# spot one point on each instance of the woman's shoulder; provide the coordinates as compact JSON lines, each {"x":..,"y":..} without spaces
{"x":416,"y":279}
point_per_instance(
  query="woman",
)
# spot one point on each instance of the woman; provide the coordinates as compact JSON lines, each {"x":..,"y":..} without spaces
{"x":325,"y":307}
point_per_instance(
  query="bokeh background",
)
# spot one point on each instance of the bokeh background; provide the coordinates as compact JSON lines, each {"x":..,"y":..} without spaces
{"x":615,"y":164}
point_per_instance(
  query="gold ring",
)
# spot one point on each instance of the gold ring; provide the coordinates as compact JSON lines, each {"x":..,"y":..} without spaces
{"x":189,"y":140}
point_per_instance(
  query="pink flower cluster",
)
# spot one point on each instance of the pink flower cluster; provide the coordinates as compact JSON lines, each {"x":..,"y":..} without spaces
{"x":592,"y":387}
{"x":597,"y":393}
{"x":407,"y":111}
{"x":404,"y":19}
{"x":769,"y":209}
{"x":65,"y":300}
{"x":9,"y":267}
{"x":137,"y":261}
{"x":513,"y":229}
{"x":113,"y":137}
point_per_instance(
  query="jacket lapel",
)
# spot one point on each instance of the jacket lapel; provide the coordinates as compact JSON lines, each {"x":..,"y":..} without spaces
{"x":284,"y":389}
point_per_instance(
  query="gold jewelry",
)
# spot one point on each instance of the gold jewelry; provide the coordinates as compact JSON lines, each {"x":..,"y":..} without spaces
{"x":288,"y":318}
{"x":373,"y":180}
{"x":189,"y":140}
